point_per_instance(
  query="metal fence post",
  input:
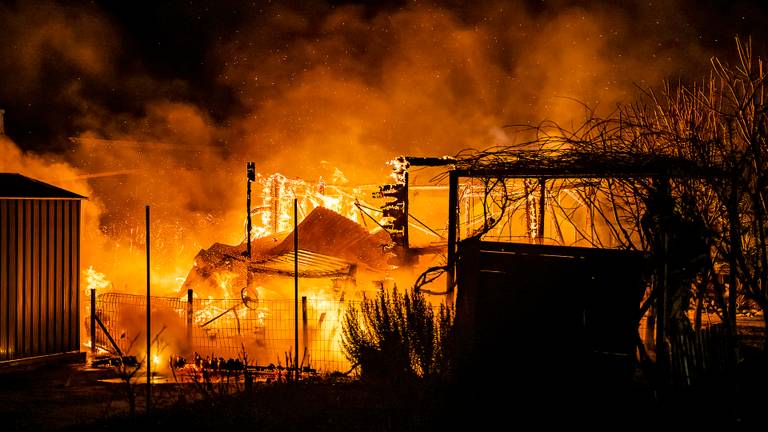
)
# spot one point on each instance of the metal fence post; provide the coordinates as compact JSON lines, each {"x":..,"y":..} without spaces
{"x":149,"y":332}
{"x":304,"y":329}
{"x":190,"y":311}
{"x":296,"y":286}
{"x":93,"y":321}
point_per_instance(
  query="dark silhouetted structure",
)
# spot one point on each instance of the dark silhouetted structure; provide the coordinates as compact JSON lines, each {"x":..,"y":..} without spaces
{"x":39,"y":269}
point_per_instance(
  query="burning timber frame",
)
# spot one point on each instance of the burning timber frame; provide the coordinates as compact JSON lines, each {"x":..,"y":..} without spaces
{"x":546,"y":166}
{"x":542,"y":166}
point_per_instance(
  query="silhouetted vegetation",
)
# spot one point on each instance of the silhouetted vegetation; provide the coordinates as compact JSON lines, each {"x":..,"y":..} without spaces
{"x":396,"y":337}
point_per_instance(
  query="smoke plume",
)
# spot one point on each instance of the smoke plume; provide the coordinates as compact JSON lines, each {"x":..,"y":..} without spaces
{"x":303,"y":90}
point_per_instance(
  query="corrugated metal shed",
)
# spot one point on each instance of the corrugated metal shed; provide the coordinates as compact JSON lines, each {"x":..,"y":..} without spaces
{"x":39,"y":268}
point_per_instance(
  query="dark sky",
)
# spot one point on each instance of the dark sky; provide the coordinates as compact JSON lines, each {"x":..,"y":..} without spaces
{"x":171,"y":49}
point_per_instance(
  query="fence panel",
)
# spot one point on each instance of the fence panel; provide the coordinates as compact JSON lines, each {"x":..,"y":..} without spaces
{"x":263,"y":331}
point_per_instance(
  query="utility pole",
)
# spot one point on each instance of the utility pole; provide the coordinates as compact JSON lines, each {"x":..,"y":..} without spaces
{"x":250,"y":178}
{"x":149,"y":327}
{"x":296,"y":287}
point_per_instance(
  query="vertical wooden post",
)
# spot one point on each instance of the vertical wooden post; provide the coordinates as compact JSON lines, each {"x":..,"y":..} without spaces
{"x":93,"y":321}
{"x":406,"y":242}
{"x":149,"y":331}
{"x":190,"y":312}
{"x":275,"y":205}
{"x":250,"y":176}
{"x":296,"y":286}
{"x":528,"y":220}
{"x":304,"y":328}
{"x":542,"y":203}
{"x":453,"y":212}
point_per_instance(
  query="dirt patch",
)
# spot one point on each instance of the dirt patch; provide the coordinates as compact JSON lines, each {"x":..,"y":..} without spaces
{"x":55,"y":397}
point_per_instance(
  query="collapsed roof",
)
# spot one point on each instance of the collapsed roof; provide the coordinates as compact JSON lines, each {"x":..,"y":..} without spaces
{"x":330,"y":245}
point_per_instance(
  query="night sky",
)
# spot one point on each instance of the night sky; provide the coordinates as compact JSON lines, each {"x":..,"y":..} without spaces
{"x":106,"y":59}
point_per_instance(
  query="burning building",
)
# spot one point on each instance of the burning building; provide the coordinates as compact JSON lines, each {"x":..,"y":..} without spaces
{"x":235,"y":305}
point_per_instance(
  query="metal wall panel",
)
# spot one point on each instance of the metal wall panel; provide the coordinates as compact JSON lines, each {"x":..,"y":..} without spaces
{"x":75,"y":279}
{"x":57,"y":281}
{"x":28,"y":282}
{"x":21,"y":317}
{"x":36,"y":291}
{"x":39,"y":277}
{"x":51,"y":270}
{"x":4,"y":257}
{"x":66,"y":264}
{"x":44,"y":278}
{"x":13,"y":258}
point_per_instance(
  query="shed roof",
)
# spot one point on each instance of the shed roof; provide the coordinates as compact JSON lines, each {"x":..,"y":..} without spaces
{"x":14,"y":185}
{"x":565,"y":163}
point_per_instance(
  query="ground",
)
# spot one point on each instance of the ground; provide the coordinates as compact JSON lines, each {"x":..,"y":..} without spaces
{"x":55,"y":397}
{"x":76,"y":397}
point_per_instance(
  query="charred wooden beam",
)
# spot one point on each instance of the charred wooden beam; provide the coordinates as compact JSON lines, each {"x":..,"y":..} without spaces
{"x":430,"y":161}
{"x":453,"y":227}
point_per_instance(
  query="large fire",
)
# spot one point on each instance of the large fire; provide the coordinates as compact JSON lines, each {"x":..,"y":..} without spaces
{"x":241,"y":306}
{"x":235,"y":318}
{"x":325,"y":98}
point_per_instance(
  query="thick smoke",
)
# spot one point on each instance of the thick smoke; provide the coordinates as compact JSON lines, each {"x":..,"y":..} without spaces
{"x":310,"y":88}
{"x":356,"y":88}
{"x":51,"y":169}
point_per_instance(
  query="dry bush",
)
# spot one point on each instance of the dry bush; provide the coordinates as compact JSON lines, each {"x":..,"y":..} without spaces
{"x":396,"y":337}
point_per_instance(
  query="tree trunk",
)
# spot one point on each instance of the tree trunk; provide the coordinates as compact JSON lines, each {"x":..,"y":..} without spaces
{"x":736,"y":250}
{"x":650,"y":328}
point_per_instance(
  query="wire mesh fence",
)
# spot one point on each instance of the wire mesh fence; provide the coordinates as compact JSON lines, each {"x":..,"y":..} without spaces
{"x":261,"y":331}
